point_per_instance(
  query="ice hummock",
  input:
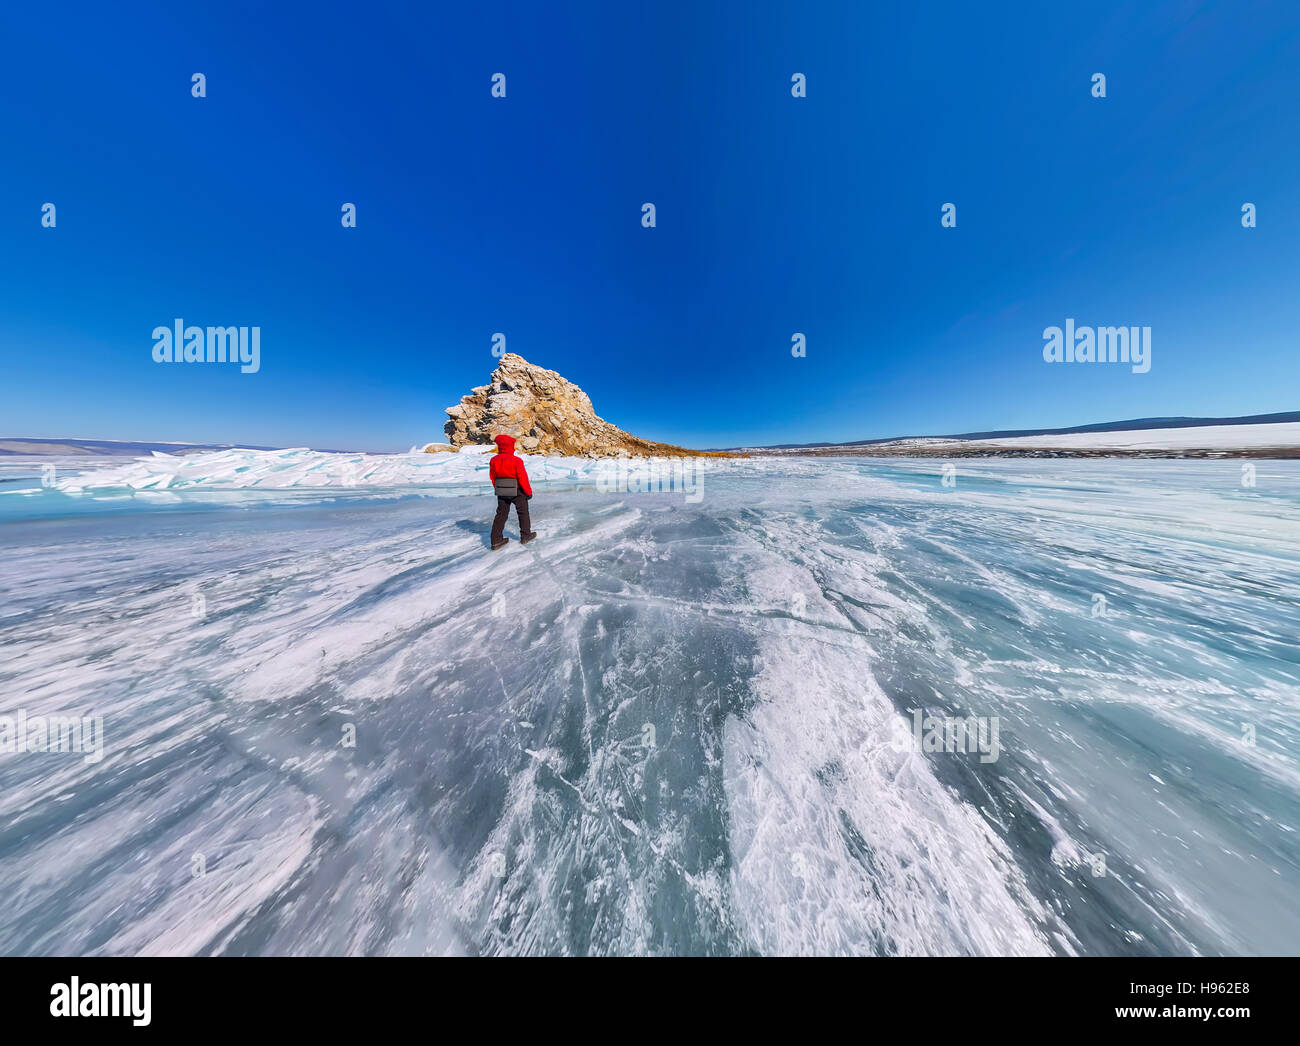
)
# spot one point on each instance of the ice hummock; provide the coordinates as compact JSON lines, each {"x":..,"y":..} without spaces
{"x":303,"y":469}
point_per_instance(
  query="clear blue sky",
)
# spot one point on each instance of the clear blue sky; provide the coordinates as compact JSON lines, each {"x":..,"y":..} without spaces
{"x":522,"y":215}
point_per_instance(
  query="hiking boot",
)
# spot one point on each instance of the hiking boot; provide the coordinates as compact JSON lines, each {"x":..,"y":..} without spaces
{"x":500,"y":544}
{"x":525,"y":538}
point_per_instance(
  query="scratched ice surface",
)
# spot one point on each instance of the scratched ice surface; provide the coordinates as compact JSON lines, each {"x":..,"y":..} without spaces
{"x":668,"y":726}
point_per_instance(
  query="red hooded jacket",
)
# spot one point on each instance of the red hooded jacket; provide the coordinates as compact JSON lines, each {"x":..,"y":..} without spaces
{"x":508,"y":464}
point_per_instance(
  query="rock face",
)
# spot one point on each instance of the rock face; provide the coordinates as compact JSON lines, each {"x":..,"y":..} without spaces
{"x":545,"y":413}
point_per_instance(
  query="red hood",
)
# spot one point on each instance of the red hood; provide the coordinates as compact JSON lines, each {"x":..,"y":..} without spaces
{"x":505,"y":444}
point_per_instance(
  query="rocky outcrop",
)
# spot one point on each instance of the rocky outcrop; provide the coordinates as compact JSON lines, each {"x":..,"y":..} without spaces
{"x":545,"y":413}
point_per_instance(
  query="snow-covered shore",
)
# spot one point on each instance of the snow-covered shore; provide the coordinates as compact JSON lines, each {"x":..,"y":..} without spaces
{"x":1206,"y":437}
{"x":1280,"y":439}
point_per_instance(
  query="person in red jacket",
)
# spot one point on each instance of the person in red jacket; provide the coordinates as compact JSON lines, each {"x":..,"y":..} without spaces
{"x":510,"y":481}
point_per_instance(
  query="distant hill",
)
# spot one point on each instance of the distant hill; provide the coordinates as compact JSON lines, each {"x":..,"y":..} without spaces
{"x":485,"y":412}
{"x":1133,"y":425}
{"x":30,"y":447}
{"x":24,"y":446}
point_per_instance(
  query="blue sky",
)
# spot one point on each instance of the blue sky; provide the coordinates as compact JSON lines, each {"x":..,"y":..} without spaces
{"x":775,"y":215}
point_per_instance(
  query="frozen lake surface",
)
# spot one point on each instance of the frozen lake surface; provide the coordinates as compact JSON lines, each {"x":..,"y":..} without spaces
{"x":671,"y":725}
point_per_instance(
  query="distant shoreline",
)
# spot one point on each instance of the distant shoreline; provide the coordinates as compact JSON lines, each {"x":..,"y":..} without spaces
{"x":992,"y":451}
{"x":1259,"y":436}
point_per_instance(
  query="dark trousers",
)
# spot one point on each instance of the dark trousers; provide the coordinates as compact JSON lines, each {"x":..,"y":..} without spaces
{"x":520,"y":502}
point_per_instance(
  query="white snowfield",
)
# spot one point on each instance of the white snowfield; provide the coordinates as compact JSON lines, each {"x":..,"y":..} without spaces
{"x":1204,"y":437}
{"x":1208,"y":437}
